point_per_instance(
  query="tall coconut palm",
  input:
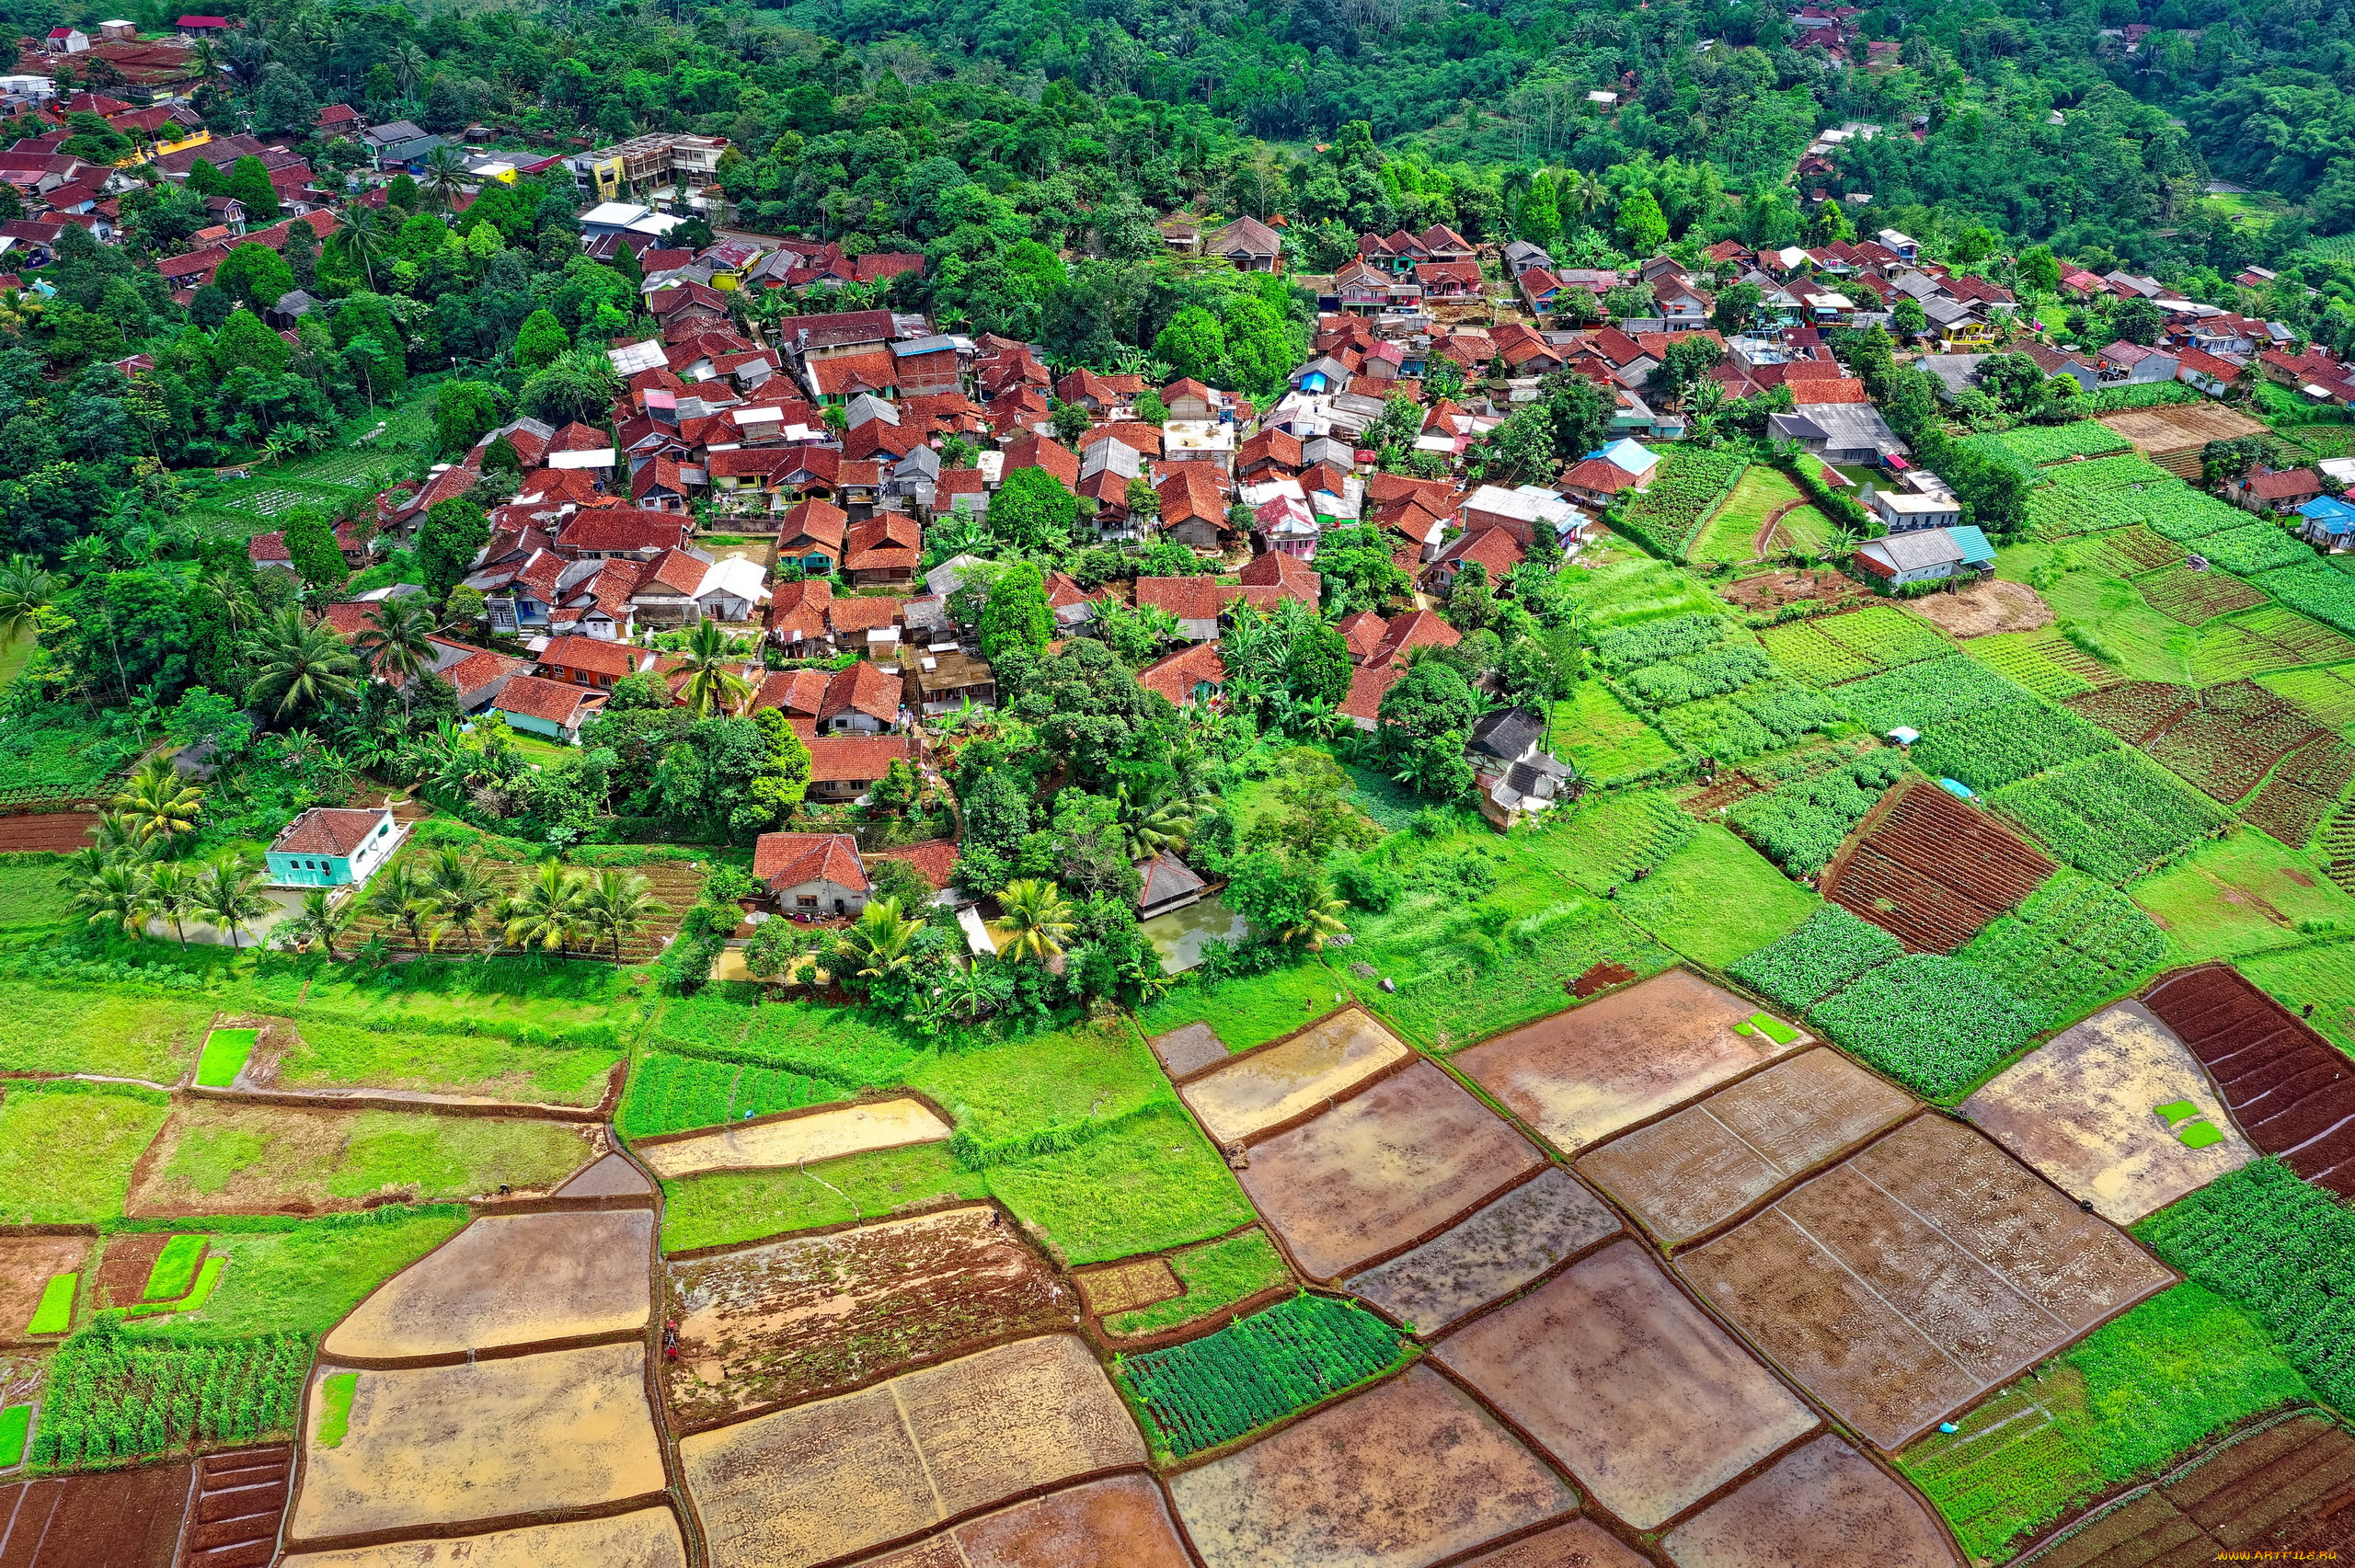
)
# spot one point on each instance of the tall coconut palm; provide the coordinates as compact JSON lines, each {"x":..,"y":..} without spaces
{"x":1320,"y":921}
{"x":711,"y":685}
{"x":410,"y":64}
{"x":361,"y":241}
{"x":1148,"y":827}
{"x":399,"y":645}
{"x":298,"y":665}
{"x":158,"y":802}
{"x":1036,"y":919}
{"x":400,"y":894}
{"x":229,"y":896}
{"x":171,"y":893}
{"x":616,"y":906}
{"x":25,"y":592}
{"x":118,"y":896}
{"x":445,"y":174}
{"x":879,"y":942}
{"x":323,"y":919}
{"x":545,"y":911}
{"x":461,"y":892}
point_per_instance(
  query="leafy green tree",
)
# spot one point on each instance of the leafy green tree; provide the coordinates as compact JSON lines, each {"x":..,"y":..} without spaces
{"x":1425,"y":719}
{"x":1016,"y":615}
{"x":1032,"y":512}
{"x":454,"y":532}
{"x":783,"y":778}
{"x":1640,"y":225}
{"x":1195,"y":345}
{"x":541,"y":338}
{"x":310,"y":541}
{"x":243,"y":340}
{"x":463,"y":412}
{"x":577,"y":384}
{"x":255,"y":276}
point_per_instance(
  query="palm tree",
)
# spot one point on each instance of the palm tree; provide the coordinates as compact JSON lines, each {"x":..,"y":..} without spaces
{"x":461,"y":891}
{"x":711,"y":684}
{"x":222,"y":588}
{"x":616,"y":906}
{"x":1035,"y":920}
{"x":117,"y":895}
{"x":229,"y":894}
{"x":298,"y":665}
{"x":361,"y":241}
{"x":1320,"y":920}
{"x":409,"y":65}
{"x":400,"y":893}
{"x":158,"y":802}
{"x":546,"y":911}
{"x":323,"y":919}
{"x":444,"y":172}
{"x":25,"y":592}
{"x":1149,"y":827}
{"x":171,"y":892}
{"x":878,"y":941}
{"x":399,"y":645}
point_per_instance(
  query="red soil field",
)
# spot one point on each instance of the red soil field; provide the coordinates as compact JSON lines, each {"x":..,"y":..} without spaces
{"x":240,"y":1497}
{"x":123,"y":1267}
{"x":1932,"y":871}
{"x":2283,"y":1490}
{"x":58,"y":833}
{"x":2291,"y":1090}
{"x":2302,"y":791}
{"x":125,"y":1519}
{"x":1581,"y":1543}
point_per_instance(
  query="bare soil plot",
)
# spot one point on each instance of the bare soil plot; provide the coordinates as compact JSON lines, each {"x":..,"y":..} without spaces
{"x":798,"y":1140}
{"x":818,"y":1482}
{"x":771,"y":1325}
{"x":1188,"y":1050}
{"x":1581,"y":1543}
{"x":2115,"y":1109}
{"x":2292,"y":1091}
{"x":444,"y":1445}
{"x":1709,"y":1163}
{"x":125,"y":1518}
{"x":1932,"y":871}
{"x":647,"y":1538}
{"x":2171,"y":428}
{"x":2134,"y":710}
{"x":60,"y":832}
{"x":26,"y":1266}
{"x":1491,"y":1254}
{"x":125,"y":1259}
{"x":1580,"y":1076}
{"x":613,"y":1176}
{"x":2281,"y":1490}
{"x":1407,"y":1473}
{"x":1282,"y":1082}
{"x":1637,"y":1391}
{"x":1825,"y":1506}
{"x":1985,"y":608}
{"x":238,"y":1503}
{"x":509,"y":1279}
{"x":1382,"y":1171}
{"x":1126,"y":1286}
{"x":1900,"y":1284}
{"x":1122,"y":1519}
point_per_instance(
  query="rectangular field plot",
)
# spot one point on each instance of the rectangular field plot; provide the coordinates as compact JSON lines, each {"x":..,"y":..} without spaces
{"x":2301,"y":794}
{"x":2230,"y":737}
{"x":509,"y":1279}
{"x":2292,"y":1091}
{"x":444,"y":1445}
{"x":1826,"y":1505}
{"x":1211,"y":1390}
{"x":798,"y":1140}
{"x":1583,"y":1074}
{"x":1709,"y":1163}
{"x":2302,"y":639}
{"x":27,"y":1265}
{"x":1900,"y":1284}
{"x":1639,"y":1394}
{"x":1379,"y":1173}
{"x":1121,"y":1519}
{"x":2195,"y":598}
{"x":1405,"y":1474}
{"x":772,"y":1324}
{"x":645,"y":1538}
{"x":1328,"y":1058}
{"x":2329,"y":694}
{"x":2045,"y":662}
{"x":821,"y":1481}
{"x":1933,"y":871}
{"x":1491,"y":1254}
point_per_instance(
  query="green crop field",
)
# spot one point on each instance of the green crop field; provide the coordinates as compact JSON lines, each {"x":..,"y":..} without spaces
{"x":2058,"y":443}
{"x":1938,"y":1026}
{"x":1828,"y":952}
{"x":1731,"y":534}
{"x":2113,"y":815}
{"x":2074,"y":944}
{"x":2329,"y":694}
{"x":110,"y":1399}
{"x":2240,"y":895}
{"x":225,"y":1055}
{"x":1261,"y":1368}
{"x":2042,"y":662}
{"x":1716,"y":900}
{"x":302,"y":1275}
{"x":67,"y":1149}
{"x":89,"y":1029}
{"x":1602,"y":737}
{"x":1214,"y":1275}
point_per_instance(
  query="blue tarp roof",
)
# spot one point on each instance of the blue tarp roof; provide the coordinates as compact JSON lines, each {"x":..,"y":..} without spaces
{"x":2324,"y":508}
{"x":1971,"y":543}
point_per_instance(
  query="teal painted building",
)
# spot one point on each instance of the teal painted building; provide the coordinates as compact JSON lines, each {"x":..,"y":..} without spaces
{"x":331,"y":847}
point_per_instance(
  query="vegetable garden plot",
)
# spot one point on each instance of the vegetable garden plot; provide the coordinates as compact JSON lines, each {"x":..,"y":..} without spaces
{"x":2045,"y":662}
{"x":2315,"y":589}
{"x":129,"y":1519}
{"x":674,"y":1093}
{"x":1935,"y":1023}
{"x":1824,"y":1504}
{"x":1933,"y":871}
{"x":1379,"y":1172}
{"x":1999,"y":746}
{"x":1258,"y":1369}
{"x":1407,"y":1473}
{"x":1667,"y":516}
{"x":2252,"y":548}
{"x":2292,"y":1091}
{"x":2112,"y":816}
{"x":1583,"y":1074}
{"x":2195,"y":598}
{"x":1212,"y":1277}
{"x":2114,"y":1111}
{"x":509,"y":1436}
{"x":840,"y":1475}
{"x":1321,"y":1063}
{"x":2135,"y":710}
{"x":2142,"y":550}
{"x":2329,"y":694}
{"x":2301,"y":639}
{"x":1489,"y":1255}
{"x":1833,"y":948}
{"x":238,"y":1504}
{"x":28,"y":1266}
{"x":109,"y":1399}
{"x":1803,"y":649}
{"x":799,"y":1141}
{"x":1708,"y":1163}
{"x":644,"y":1537}
{"x":1920,"y":696}
{"x":2226,"y":743}
{"x":1906,"y":1281}
{"x":770,"y":1325}
{"x":509,"y":1279}
{"x":1640,"y":1395}
{"x":2059,"y":444}
{"x":2075,"y":942}
{"x":2302,"y":792}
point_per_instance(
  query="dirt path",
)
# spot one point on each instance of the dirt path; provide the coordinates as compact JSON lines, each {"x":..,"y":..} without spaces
{"x":1773,"y":521}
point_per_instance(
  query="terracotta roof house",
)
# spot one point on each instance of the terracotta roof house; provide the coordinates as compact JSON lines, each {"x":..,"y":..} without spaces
{"x":1417,"y":628}
{"x":811,"y":533}
{"x":860,"y":700}
{"x":1190,"y":677}
{"x":552,"y":708}
{"x":812,"y":874}
{"x":589,"y":661}
{"x":2281,"y":490}
{"x":1286,"y":576}
{"x":1195,"y":602}
{"x":1248,"y":244}
{"x":1193,"y":508}
{"x":843,"y":767}
{"x":330,"y":846}
{"x":798,"y":620}
{"x":1494,"y":548}
{"x":884,"y":549}
{"x":1030,"y":450}
{"x":1363,"y":707}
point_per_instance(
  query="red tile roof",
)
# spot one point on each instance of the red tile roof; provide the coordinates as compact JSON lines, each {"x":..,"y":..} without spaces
{"x":1367,"y":685}
{"x":1417,"y":628}
{"x":856,"y":759}
{"x":818,"y":520}
{"x":798,"y":692}
{"x":847,"y":375}
{"x":328,"y":830}
{"x":889,"y":542}
{"x":1191,"y":490}
{"x":1188,"y":599}
{"x":862,"y":688}
{"x":935,"y":859}
{"x":789,"y":860}
{"x":551,"y":702}
{"x":863,"y":612}
{"x":593,"y":656}
{"x":1176,"y":676}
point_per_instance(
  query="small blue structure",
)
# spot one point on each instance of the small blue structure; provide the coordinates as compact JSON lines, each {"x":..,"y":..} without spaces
{"x":331,"y":847}
{"x":2328,"y":523}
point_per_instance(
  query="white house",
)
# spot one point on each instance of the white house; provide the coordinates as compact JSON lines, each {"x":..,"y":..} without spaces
{"x":1904,"y":512}
{"x":817,"y":875}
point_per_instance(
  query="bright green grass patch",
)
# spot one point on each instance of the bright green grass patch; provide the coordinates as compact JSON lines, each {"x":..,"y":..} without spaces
{"x":1153,"y":1181}
{"x":16,"y":1427}
{"x":2329,"y":694}
{"x":1047,"y":1090}
{"x":856,"y":1048}
{"x":2135,"y":1395}
{"x":1935,"y":1024}
{"x":2240,"y":895}
{"x":30,"y":899}
{"x":1730,"y":536}
{"x":1611,"y":837}
{"x":50,"y":1029}
{"x":1634,"y":588}
{"x":343,"y":1055}
{"x":335,"y":1407}
{"x":744,"y":1205}
{"x":67,"y":1149}
{"x":225,"y":1051}
{"x":1390,"y":803}
{"x":1260,"y":1368}
{"x":1716,"y":900}
{"x":1216,"y":1274}
{"x":174,"y":1273}
{"x":306,"y":1277}
{"x":506,"y":997}
{"x":2113,"y":815}
{"x":1830,"y":950}
{"x":1601,"y":736}
{"x":1253,"y":1009}
{"x":199,"y":1293}
{"x":2143,"y":644}
{"x":672,"y":1094}
{"x":55,"y":1312}
{"x":2074,"y":944}
{"x":255,"y":1157}
{"x":2321,"y":976}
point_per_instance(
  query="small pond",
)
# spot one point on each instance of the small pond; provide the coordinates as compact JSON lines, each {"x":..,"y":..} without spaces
{"x":1178,"y":935}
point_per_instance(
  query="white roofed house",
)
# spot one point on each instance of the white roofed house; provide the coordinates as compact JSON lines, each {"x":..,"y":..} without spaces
{"x":682,"y":587}
{"x":1522,"y":511}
